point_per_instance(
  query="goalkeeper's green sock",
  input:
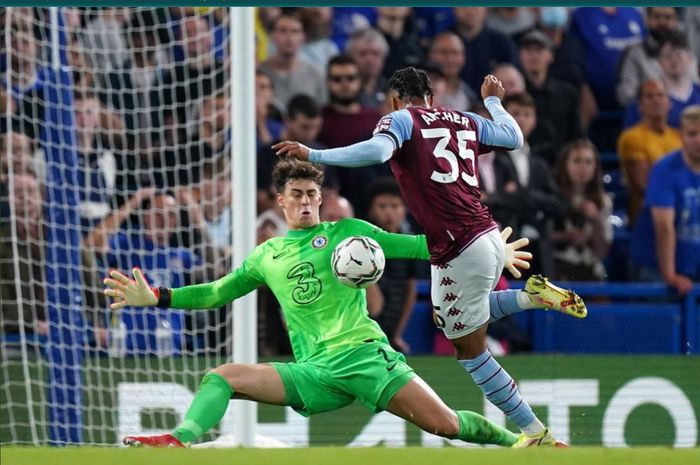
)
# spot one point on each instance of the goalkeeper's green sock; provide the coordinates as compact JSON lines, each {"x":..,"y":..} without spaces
{"x":477,"y":429}
{"x":207,"y":408}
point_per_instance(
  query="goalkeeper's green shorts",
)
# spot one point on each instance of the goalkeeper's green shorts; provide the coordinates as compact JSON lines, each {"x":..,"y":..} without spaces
{"x":372,"y":373}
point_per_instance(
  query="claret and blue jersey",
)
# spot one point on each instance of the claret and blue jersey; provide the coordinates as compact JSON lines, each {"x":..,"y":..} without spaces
{"x":433,"y":155}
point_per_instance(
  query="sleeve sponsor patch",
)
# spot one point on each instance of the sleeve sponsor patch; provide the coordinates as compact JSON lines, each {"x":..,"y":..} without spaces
{"x":383,"y":125}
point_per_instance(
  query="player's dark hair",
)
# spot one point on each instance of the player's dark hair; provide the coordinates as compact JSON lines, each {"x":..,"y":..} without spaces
{"x":522,"y":99}
{"x":410,"y":83}
{"x":385,"y":185}
{"x":302,"y":104}
{"x":288,"y":170}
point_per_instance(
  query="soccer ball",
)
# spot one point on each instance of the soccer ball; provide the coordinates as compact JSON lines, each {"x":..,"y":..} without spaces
{"x":358,"y":262}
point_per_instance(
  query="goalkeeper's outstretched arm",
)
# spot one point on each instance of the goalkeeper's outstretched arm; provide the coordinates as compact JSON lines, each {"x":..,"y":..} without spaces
{"x":138,"y":293}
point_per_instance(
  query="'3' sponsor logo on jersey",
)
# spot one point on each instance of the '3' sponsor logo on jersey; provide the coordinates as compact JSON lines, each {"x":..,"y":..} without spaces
{"x":308,"y":286}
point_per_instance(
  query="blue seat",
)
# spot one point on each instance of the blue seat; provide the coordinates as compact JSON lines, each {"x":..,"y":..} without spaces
{"x":420,"y":329}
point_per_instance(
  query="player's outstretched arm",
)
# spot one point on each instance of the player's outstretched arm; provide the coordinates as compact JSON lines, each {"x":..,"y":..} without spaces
{"x":137,"y":292}
{"x":503,"y":131}
{"x":373,"y":151}
{"x":291,"y":149}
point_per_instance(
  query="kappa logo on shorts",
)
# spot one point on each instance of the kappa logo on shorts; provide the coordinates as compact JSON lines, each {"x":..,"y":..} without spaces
{"x":458,"y":326}
{"x":442,"y":266}
{"x":319,"y":242}
{"x":454,"y":311}
{"x":450,"y":297}
{"x":447,"y":281}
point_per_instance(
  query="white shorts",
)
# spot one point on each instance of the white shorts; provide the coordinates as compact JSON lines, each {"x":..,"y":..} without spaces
{"x":460,"y":288}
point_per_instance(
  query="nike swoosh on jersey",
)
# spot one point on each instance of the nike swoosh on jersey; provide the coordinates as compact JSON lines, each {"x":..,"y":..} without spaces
{"x":278,"y":255}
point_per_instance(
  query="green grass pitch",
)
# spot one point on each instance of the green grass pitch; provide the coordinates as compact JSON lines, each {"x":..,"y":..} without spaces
{"x":347,"y":456}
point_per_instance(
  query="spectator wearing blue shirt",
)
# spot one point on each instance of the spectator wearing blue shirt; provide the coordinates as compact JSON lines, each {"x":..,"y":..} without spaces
{"x":677,"y":65}
{"x":349,"y":20}
{"x":604,"y":33}
{"x":268,"y":113}
{"x":22,"y":75}
{"x":431,"y":21}
{"x":148,"y":247}
{"x":666,"y":238}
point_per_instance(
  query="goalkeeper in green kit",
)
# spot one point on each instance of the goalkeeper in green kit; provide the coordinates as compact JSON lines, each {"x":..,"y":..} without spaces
{"x":341,"y":353}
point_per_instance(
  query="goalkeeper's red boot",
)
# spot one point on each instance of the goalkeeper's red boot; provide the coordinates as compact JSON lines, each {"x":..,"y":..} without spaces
{"x":164,"y":440}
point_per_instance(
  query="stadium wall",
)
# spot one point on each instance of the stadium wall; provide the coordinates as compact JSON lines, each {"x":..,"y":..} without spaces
{"x":615,"y":401}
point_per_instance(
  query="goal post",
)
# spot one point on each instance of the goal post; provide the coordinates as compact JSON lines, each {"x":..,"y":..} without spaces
{"x":244,"y":157}
{"x":118,"y":125}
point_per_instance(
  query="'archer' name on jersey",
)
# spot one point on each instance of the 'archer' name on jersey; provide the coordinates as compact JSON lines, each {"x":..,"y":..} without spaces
{"x":450,"y":116}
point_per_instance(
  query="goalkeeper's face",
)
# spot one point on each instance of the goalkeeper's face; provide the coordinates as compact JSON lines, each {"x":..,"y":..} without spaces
{"x":300,"y":202}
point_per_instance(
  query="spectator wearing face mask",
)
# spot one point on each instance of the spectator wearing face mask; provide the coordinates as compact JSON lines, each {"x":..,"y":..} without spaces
{"x":676,"y":64}
{"x":640,"y":62}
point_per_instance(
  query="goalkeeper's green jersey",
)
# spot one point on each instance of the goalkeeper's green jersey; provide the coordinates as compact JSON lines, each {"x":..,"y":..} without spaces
{"x":322,"y":315}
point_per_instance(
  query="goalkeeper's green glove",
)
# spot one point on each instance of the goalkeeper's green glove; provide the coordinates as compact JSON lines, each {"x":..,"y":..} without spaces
{"x":515,"y":258}
{"x":135,"y":291}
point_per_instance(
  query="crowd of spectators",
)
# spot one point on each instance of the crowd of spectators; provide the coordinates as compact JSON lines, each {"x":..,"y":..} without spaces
{"x":607,"y":98}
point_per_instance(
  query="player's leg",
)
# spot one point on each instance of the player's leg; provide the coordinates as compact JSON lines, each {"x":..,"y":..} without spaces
{"x":418,"y":403}
{"x":498,"y":386}
{"x":463,"y":306}
{"x":379,"y":377}
{"x":261,"y":383}
{"x":538,"y":292}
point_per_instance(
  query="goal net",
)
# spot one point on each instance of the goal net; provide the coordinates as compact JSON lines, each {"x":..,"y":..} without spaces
{"x":115,"y":154}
